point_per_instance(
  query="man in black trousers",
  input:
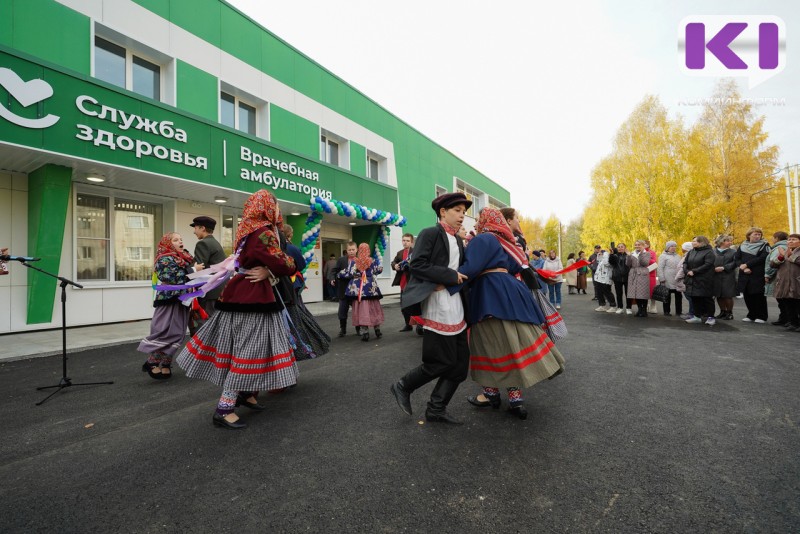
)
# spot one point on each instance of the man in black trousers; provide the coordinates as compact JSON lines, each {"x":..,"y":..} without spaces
{"x":341,"y":285}
{"x":435,"y":294}
{"x":400,"y":265}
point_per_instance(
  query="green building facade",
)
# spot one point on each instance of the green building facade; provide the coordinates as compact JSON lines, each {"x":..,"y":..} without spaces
{"x":120,"y":121}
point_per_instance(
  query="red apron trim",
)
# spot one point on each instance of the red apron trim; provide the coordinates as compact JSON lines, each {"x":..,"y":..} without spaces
{"x":517,"y":365}
{"x":541,"y":340}
{"x":441,"y":327}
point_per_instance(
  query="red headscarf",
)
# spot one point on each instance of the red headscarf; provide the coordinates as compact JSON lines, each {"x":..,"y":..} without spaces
{"x":363,"y":258}
{"x":165,"y":248}
{"x":491,"y":220}
{"x":261,"y":209}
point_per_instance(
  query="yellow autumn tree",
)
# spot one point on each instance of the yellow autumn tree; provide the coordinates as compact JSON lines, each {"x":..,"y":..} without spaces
{"x":735,"y":167}
{"x":533,"y":230}
{"x":550,"y":233}
{"x":642,"y":190}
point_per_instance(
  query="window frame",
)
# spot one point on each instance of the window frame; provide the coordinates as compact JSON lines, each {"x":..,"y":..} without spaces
{"x":111,"y":195}
{"x":327,"y":137}
{"x":381,"y":167}
{"x":238,"y":102}
{"x":475,"y":195}
{"x":130,"y":54}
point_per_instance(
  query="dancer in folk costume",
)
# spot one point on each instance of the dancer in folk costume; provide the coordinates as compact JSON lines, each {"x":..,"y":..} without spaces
{"x":434,"y":296}
{"x":508,"y":348}
{"x":244,"y":347}
{"x":170,"y":318}
{"x":312,"y":341}
{"x":363,"y":291}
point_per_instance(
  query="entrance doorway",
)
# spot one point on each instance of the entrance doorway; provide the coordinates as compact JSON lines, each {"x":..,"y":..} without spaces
{"x":335,"y":248}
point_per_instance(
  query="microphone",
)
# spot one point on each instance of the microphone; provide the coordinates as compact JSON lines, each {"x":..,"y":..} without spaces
{"x":6,"y":257}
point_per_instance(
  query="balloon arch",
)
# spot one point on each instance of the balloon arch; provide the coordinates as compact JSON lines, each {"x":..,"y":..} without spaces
{"x":319,"y":206}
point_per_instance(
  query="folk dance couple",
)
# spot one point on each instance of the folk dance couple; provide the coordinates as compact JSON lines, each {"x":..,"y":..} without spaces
{"x":245,"y":346}
{"x":506,"y":347}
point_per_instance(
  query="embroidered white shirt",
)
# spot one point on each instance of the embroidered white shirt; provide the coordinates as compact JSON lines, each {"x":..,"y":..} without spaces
{"x":442,"y":312}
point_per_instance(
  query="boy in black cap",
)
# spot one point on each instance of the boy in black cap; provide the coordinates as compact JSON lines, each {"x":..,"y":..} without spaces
{"x":208,"y":252}
{"x":433,"y":294}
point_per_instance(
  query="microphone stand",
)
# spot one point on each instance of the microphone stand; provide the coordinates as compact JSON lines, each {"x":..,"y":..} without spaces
{"x":65,"y":381}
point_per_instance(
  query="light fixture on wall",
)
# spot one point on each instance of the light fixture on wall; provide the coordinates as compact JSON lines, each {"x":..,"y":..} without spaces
{"x":220,"y":200}
{"x":95,"y":178}
{"x":295,"y":213}
{"x":352,"y":224}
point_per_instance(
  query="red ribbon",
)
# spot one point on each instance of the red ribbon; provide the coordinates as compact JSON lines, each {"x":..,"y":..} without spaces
{"x":361,"y":287}
{"x":552,"y":274}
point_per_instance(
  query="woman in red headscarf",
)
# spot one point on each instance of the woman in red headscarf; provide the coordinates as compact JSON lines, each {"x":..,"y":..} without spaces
{"x":245,"y":348}
{"x":170,"y":318}
{"x":508,"y":348}
{"x":363,"y":291}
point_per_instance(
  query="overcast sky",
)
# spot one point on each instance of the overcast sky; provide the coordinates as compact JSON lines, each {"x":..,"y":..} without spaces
{"x":529,"y":93}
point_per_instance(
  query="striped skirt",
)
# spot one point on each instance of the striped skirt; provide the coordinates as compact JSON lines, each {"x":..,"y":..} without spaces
{"x":511,"y":354}
{"x":241,"y":352}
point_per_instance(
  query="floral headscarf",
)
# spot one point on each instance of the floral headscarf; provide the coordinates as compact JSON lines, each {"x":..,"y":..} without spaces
{"x":261,"y":209}
{"x":165,"y":248}
{"x":492,"y":221}
{"x":363,"y":258}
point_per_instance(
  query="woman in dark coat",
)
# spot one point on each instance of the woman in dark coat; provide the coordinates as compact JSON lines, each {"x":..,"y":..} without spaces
{"x":751,"y":258}
{"x":698,"y":268}
{"x":725,"y":276}
{"x":619,"y":275}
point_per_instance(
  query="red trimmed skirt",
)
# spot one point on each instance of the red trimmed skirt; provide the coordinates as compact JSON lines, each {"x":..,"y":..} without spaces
{"x":241,"y":352}
{"x":511,"y":354}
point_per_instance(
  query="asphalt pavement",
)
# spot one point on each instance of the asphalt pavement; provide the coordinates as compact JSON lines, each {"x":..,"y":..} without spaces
{"x":655,"y":426}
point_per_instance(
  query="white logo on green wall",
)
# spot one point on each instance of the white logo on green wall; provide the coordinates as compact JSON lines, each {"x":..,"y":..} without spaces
{"x":26,"y":93}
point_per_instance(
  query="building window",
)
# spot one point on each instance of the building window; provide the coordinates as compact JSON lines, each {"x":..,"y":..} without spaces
{"x":329,"y":150}
{"x":92,"y":237}
{"x":230,"y":221}
{"x":139,"y":253}
{"x":119,"y":232}
{"x":376,"y":167}
{"x":496,"y":204}
{"x":137,"y":221}
{"x":139,"y":237}
{"x":120,"y":66}
{"x":237,"y":114}
{"x":372,"y":169}
{"x":477,"y":198}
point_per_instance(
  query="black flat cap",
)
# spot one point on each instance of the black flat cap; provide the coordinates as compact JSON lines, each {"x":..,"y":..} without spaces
{"x":207,"y":222}
{"x":448,"y":200}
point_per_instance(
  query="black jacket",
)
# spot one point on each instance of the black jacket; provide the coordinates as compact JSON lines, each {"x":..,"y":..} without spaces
{"x":209,"y":252}
{"x":619,"y":267}
{"x":341,"y":283}
{"x":753,"y":283}
{"x":429,"y":268}
{"x":700,"y":261}
{"x":397,"y":259}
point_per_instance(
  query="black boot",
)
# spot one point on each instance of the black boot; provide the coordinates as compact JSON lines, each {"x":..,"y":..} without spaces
{"x":440,"y":398}
{"x":342,"y":327}
{"x":378,"y":333}
{"x":403,"y":388}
